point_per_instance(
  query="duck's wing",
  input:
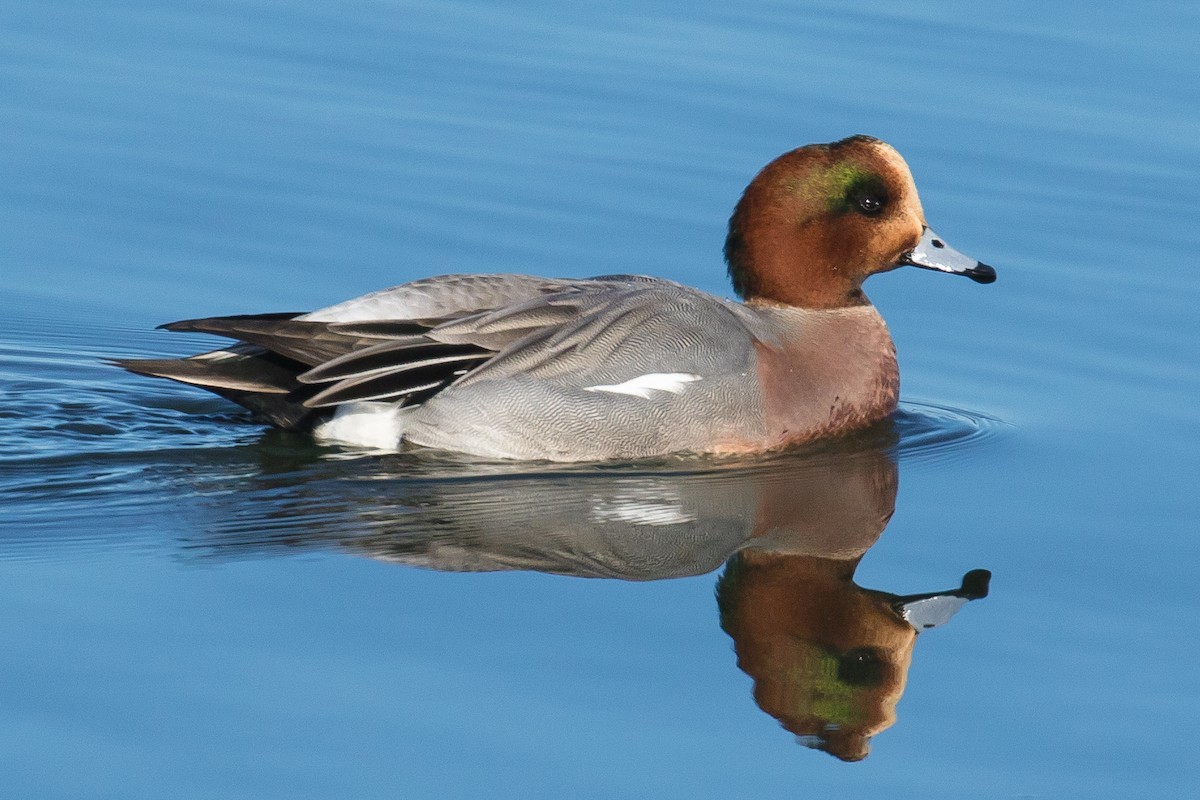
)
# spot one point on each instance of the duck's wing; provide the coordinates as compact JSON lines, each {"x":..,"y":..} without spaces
{"x":625,"y":327}
{"x":401,"y":312}
{"x":387,"y":330}
{"x":293,"y":337}
{"x":441,"y":298}
{"x":600,"y":332}
{"x":634,"y":371}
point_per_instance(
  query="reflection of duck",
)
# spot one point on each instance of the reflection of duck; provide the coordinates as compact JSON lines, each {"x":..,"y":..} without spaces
{"x":686,"y":518}
{"x":829,"y":659}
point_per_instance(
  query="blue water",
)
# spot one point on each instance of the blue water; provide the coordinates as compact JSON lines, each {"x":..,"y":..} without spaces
{"x":196,"y":607}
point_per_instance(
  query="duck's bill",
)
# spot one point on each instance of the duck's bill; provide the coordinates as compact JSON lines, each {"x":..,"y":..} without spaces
{"x":924,"y":611}
{"x":932,"y":252}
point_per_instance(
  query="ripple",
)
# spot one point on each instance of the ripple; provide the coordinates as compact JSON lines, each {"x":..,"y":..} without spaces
{"x":932,"y":432}
{"x":56,"y":403}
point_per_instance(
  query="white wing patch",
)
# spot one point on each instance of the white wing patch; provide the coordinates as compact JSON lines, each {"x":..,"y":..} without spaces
{"x":641,"y":507}
{"x":643,"y":385}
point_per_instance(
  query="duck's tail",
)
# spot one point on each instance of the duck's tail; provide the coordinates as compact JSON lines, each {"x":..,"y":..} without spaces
{"x":295,"y":372}
{"x":250,"y":376}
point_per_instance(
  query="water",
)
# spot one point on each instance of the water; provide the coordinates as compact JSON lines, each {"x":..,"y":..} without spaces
{"x":194,"y":607}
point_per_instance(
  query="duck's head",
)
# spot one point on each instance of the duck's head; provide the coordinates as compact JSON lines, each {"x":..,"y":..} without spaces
{"x":815,"y":222}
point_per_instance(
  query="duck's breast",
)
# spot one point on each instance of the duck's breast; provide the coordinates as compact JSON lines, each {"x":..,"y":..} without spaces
{"x":825,"y":373}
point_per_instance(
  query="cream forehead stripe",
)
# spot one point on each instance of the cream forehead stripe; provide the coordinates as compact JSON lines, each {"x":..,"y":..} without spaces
{"x":643,"y":385}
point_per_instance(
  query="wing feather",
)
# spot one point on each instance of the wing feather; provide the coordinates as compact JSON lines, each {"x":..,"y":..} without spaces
{"x":387,"y":356}
{"x":310,"y":343}
{"x":401,"y":381}
{"x":396,"y":380}
{"x":410,"y":342}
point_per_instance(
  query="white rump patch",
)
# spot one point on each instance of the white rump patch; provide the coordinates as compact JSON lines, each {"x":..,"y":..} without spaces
{"x":643,"y":385}
{"x":376,"y":426}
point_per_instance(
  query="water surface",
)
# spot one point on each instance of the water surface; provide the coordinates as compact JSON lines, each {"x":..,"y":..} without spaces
{"x":196,"y":607}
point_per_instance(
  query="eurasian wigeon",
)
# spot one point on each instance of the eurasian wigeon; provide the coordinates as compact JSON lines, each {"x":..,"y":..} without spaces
{"x":619,"y":366}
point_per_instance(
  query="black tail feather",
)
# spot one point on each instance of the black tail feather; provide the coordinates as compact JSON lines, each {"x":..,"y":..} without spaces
{"x":250,"y":376}
{"x":289,"y":372}
{"x":310,"y":343}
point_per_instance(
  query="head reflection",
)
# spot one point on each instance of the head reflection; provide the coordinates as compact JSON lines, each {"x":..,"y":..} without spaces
{"x":829,"y":658}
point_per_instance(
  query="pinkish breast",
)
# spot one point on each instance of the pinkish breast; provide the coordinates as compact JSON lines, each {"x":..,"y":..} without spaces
{"x":830,"y":372}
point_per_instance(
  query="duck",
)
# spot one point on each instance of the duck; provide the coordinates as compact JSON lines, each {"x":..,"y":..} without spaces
{"x":615,"y":367}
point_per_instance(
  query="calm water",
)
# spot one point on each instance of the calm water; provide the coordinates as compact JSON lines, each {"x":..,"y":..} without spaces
{"x":196,"y":607}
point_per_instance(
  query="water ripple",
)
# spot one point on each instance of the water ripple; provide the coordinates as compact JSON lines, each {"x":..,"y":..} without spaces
{"x":932,"y":432}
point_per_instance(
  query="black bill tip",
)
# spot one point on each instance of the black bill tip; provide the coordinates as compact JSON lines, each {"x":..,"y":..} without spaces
{"x":981,"y":273}
{"x":975,"y":584}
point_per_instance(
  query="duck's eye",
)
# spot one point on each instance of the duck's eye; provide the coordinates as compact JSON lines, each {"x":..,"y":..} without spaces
{"x":870,"y":204}
{"x":862,"y":666}
{"x":863,"y":192}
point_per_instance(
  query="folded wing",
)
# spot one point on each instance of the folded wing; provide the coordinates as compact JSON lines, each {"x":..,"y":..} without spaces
{"x":403,"y":344}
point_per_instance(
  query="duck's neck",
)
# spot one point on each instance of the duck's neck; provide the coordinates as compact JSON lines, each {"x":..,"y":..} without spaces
{"x":772,"y":264}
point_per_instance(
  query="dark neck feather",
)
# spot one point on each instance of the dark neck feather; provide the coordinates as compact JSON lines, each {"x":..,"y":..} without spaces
{"x":735,"y":261}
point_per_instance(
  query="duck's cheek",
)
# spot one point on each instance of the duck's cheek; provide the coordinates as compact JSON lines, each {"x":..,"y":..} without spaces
{"x":914,"y":226}
{"x":905,"y":234}
{"x":885,"y":258}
